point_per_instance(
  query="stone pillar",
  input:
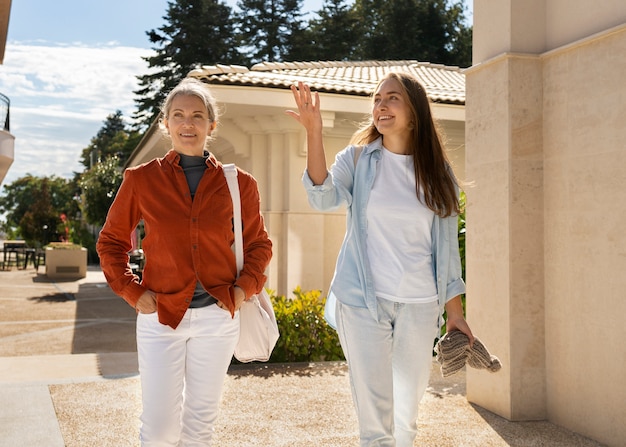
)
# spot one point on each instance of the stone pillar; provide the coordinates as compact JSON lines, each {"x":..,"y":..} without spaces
{"x":504,"y":161}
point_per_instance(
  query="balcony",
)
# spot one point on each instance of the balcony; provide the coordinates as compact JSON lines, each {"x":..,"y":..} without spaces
{"x":7,"y":141}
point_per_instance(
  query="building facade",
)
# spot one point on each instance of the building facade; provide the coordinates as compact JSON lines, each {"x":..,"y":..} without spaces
{"x":546,"y":246}
{"x":255,"y":133}
{"x":7,"y":140}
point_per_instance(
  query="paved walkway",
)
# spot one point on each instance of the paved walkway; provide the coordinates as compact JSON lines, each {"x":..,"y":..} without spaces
{"x":68,"y":377}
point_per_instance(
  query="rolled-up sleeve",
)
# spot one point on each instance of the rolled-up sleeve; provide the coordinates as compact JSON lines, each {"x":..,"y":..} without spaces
{"x":321,"y":197}
{"x":114,"y":242}
{"x":456,"y":285}
{"x":337,"y":187}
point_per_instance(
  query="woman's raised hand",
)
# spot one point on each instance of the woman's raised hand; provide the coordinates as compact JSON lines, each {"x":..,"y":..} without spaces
{"x":308,"y":103}
{"x":310,"y":117}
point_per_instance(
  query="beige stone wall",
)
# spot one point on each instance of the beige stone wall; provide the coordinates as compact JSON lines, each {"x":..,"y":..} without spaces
{"x":585,"y":250}
{"x":504,"y":239}
{"x":545,"y":148}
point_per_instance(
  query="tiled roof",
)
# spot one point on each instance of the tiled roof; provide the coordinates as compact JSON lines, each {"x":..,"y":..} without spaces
{"x":444,"y":84}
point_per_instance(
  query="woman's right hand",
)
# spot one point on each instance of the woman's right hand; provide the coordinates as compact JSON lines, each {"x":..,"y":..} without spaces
{"x":310,"y":116}
{"x":146,"y":303}
{"x":308,"y":113}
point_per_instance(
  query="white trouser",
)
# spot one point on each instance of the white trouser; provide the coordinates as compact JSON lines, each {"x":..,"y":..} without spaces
{"x":182,"y":373}
{"x":389,"y":363}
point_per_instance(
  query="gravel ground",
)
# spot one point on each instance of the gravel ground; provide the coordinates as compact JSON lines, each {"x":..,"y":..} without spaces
{"x":295,"y":405}
{"x":300,"y":405}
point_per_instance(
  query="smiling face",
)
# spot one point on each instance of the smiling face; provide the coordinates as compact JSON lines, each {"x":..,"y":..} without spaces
{"x":188,"y":124}
{"x":391,"y":113}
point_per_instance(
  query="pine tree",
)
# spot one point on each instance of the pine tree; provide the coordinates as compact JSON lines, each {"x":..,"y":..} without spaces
{"x":270,"y":30}
{"x":369,"y":17}
{"x":197,"y":32}
{"x":425,"y":30}
{"x":100,"y":145}
{"x":333,"y":35}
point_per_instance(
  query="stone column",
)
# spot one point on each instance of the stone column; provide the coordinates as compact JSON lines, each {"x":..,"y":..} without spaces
{"x":504,"y":163}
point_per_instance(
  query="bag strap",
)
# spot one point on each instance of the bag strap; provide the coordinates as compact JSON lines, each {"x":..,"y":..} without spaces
{"x":230,"y":172}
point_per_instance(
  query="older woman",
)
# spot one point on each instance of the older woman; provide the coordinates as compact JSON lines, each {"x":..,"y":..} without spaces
{"x":188,"y":298}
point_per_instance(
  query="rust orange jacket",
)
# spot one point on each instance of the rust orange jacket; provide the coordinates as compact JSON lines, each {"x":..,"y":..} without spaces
{"x":185,"y":241}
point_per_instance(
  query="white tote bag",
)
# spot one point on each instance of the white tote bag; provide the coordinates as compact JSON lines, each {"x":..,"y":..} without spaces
{"x":258,"y":331}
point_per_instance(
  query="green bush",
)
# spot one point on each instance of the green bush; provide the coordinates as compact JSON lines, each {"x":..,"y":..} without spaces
{"x":304,"y":334}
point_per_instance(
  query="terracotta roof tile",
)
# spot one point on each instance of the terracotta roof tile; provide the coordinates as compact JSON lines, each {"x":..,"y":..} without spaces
{"x":444,"y":84}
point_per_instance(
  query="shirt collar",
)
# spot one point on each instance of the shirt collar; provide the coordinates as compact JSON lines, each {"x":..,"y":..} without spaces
{"x":376,"y":145}
{"x":173,"y":158}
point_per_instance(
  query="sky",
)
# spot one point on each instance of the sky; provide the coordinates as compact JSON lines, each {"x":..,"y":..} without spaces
{"x":69,"y":64}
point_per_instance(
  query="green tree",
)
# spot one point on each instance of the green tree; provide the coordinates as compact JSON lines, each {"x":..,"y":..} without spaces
{"x":197,"y":32}
{"x":111,"y":140}
{"x":333,"y":35}
{"x":369,"y":16}
{"x":424,"y":30}
{"x":460,"y":42}
{"x":99,"y":186}
{"x":270,"y":29}
{"x":297,"y":41}
{"x":34,"y":207}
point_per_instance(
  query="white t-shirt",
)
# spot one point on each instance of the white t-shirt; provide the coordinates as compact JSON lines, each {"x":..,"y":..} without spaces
{"x":399,"y":234}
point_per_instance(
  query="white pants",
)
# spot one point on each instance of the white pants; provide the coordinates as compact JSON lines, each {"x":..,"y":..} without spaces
{"x":389,"y":363}
{"x":182,"y":373}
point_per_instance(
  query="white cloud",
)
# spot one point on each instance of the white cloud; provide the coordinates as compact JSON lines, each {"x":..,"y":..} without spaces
{"x":60,"y":97}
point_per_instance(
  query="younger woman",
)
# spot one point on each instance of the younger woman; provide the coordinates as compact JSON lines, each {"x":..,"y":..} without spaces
{"x":399,"y":266}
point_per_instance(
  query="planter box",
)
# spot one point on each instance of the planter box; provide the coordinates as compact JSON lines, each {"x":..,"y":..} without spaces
{"x":66,"y":263}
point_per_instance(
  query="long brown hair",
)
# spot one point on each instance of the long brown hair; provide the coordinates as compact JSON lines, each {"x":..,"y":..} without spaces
{"x":432,"y":167}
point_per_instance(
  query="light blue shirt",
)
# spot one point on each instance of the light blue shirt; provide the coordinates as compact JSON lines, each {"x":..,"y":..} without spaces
{"x":352,"y":282}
